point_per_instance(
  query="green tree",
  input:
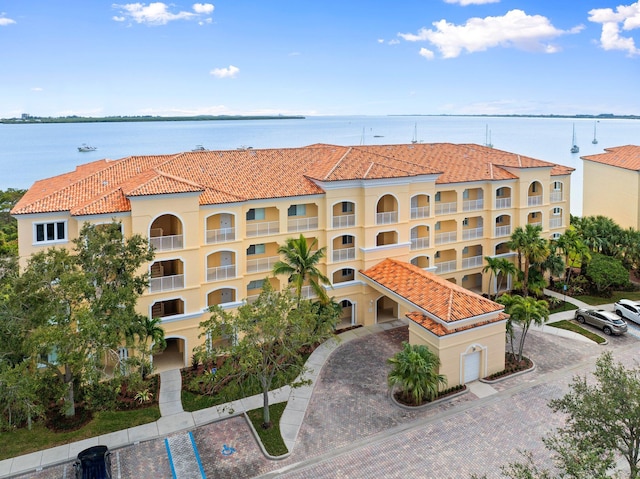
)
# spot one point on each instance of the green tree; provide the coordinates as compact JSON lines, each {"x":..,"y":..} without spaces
{"x":415,"y":371}
{"x":606,"y":273}
{"x":269,"y":340}
{"x":492,"y":268}
{"x":505,"y":269}
{"x":300,"y":263}
{"x":573,"y":249}
{"x":524,"y":311}
{"x":8,"y":224}
{"x":531,"y":248}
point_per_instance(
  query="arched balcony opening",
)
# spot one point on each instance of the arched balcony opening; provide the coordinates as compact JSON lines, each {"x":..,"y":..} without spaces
{"x":503,"y":197}
{"x":386,"y":238}
{"x":502,"y":248}
{"x":221,"y":296}
{"x":343,"y":275}
{"x":221,"y":265}
{"x":534,"y":194}
{"x":472,"y":199}
{"x":420,"y":206}
{"x":254,"y":288}
{"x":166,"y":233}
{"x":535,"y":218}
{"x":343,"y":248}
{"x":420,"y":261}
{"x":347,"y":314}
{"x":419,"y":237}
{"x":167,"y":308}
{"x":386,"y":310}
{"x":344,"y":214}
{"x":221,"y":228}
{"x":166,"y":275}
{"x":503,"y":226}
{"x":387,"y":210}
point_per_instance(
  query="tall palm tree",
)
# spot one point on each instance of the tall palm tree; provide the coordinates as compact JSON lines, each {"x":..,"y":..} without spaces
{"x":415,"y":372}
{"x":524,"y":311}
{"x":505,"y":268}
{"x":531,"y":248}
{"x":492,"y":268}
{"x":300,"y":263}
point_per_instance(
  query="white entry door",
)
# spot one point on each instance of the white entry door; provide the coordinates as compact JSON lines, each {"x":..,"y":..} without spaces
{"x":471,"y":367}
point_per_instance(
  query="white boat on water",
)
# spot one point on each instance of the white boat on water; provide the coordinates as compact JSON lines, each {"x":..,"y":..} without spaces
{"x":199,"y":148}
{"x":575,"y":148}
{"x":86,"y":147}
{"x":595,"y":140}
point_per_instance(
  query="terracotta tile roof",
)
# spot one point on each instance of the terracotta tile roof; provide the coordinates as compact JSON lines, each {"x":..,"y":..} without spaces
{"x":241,"y":175}
{"x":627,"y":157}
{"x":439,"y":330}
{"x":432,"y":294}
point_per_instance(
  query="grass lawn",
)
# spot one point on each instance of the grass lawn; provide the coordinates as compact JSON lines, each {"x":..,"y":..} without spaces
{"x":615,"y":296}
{"x":271,"y":438}
{"x":22,"y":441}
{"x":576,"y":328}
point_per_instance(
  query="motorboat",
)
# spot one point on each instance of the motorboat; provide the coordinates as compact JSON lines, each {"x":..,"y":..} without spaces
{"x":86,"y":147}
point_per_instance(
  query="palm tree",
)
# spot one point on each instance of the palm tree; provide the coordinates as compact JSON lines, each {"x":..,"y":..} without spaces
{"x":492,"y":268}
{"x":415,"y":372}
{"x":505,"y":268}
{"x":524,"y":311}
{"x":300,"y":263}
{"x":531,"y":248}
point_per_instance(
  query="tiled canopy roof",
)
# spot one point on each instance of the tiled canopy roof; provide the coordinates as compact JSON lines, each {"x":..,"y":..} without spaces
{"x":627,"y":157}
{"x":444,"y":302}
{"x":238,"y":175}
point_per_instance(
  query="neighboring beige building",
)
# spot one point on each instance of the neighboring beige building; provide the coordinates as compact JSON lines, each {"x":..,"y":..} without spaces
{"x":216,"y":219}
{"x":611,"y":185}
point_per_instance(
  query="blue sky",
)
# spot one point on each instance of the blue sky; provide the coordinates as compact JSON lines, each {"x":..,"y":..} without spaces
{"x":336,"y":57}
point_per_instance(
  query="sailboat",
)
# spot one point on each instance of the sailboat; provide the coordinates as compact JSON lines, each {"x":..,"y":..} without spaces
{"x":415,"y":134}
{"x":487,"y":137}
{"x":575,"y":148}
{"x":595,"y":140}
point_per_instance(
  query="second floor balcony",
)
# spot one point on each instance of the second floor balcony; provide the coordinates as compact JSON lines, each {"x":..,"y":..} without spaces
{"x":302,"y":224}
{"x":256,"y":265}
{"x":445,"y":266}
{"x":166,"y":283}
{"x":446,"y":237}
{"x":262,"y":228}
{"x":344,"y":254}
{"x":219,"y":273}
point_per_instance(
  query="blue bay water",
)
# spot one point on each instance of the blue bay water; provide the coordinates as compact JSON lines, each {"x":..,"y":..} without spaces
{"x":31,"y":152}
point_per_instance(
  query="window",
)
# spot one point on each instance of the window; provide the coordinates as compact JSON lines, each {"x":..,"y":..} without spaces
{"x":345,"y":303}
{"x":347,"y":207}
{"x":55,"y":231}
{"x":534,"y":187}
{"x":255,"y":284}
{"x":465,"y":222}
{"x":255,"y":214}
{"x":465,"y":250}
{"x":437,"y":255}
{"x":557,"y":211}
{"x":438,"y":226}
{"x":347,"y":239}
{"x":437,"y":196}
{"x":347,"y":272}
{"x":500,"y":192}
{"x":297,"y":210}
{"x":557,"y":186}
{"x":499,"y":220}
{"x":534,"y":215}
{"x":255,"y":249}
{"x":465,"y":195}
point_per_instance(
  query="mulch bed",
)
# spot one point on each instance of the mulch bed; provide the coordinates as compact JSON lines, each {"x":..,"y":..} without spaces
{"x":512,"y":366}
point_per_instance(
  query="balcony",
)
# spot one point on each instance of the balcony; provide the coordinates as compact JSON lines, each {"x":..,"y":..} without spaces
{"x":446,"y":208}
{"x":302,"y":224}
{"x":167,"y":243}
{"x":166,"y":283}
{"x":472,"y":233}
{"x":447,"y":237}
{"x":344,"y":254}
{"x":419,"y":243}
{"x":344,"y":221}
{"x":534,"y":200}
{"x":221,"y":235}
{"x":555,"y":222}
{"x":262,"y":228}
{"x":556,"y":196}
{"x":261,"y":264}
{"x":308,"y":292}
{"x":445,"y":266}
{"x":420,"y":212}
{"x":503,"y":230}
{"x":473,"y":205}
{"x":386,"y":217}
{"x":472,"y":262}
{"x":218,"y":273}
{"x":503,"y":203}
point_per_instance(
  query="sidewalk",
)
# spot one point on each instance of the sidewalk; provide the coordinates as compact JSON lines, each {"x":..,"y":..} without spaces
{"x":174,"y":419}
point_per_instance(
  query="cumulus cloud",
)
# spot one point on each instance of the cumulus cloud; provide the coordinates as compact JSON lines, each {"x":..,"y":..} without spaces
{"x":515,"y":29}
{"x":428,"y":54}
{"x":626,"y":18}
{"x":4,"y":21}
{"x":158,"y":13}
{"x":37,"y":88}
{"x":229,"y":72}
{"x":464,"y":3}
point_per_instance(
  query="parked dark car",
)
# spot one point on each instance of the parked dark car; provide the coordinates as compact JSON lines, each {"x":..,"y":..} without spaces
{"x":609,"y":322}
{"x":93,"y":463}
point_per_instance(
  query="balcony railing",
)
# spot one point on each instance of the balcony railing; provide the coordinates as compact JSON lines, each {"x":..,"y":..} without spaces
{"x":555,"y":222}
{"x":473,"y":205}
{"x":308,"y":292}
{"x":344,"y":221}
{"x":534,"y":200}
{"x":472,"y":262}
{"x":386,"y":218}
{"x":556,"y":196}
{"x":218,"y":273}
{"x":419,"y":243}
{"x":445,"y":266}
{"x":503,"y":203}
{"x":166,"y":283}
{"x":472,"y":233}
{"x":535,"y":223}
{"x":302,"y":224}
{"x":263,"y":228}
{"x":221,"y":235}
{"x":344,"y":254}
{"x":503,"y":230}
{"x":261,"y":264}
{"x":446,"y":208}
{"x":420,"y":212}
{"x":448,"y":237}
{"x":167,"y":243}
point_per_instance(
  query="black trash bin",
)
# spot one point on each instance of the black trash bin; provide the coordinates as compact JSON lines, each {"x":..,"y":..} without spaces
{"x":93,"y":463}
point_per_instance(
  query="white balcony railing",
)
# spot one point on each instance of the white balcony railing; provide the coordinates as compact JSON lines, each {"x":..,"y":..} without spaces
{"x":221,"y":235}
{"x":308,"y":292}
{"x":420,"y":212}
{"x":446,"y":208}
{"x":503,"y":230}
{"x":419,"y":243}
{"x":536,"y":223}
{"x":472,"y":262}
{"x":503,"y":203}
{"x":218,"y":273}
{"x":167,"y":243}
{"x":262,"y":228}
{"x":166,"y":283}
{"x":473,"y":205}
{"x":344,"y":254}
{"x":555,"y":222}
{"x":386,"y":218}
{"x":534,"y":200}
{"x":448,"y":237}
{"x":445,"y":266}
{"x":344,"y":221}
{"x":302,"y":224}
{"x":261,"y":264}
{"x":556,"y":196}
{"x":472,"y":233}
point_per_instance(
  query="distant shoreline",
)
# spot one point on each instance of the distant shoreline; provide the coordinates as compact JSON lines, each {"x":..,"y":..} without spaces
{"x":601,"y":116}
{"x":123,"y":119}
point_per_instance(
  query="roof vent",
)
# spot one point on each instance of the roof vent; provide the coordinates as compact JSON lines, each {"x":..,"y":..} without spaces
{"x":105,"y":183}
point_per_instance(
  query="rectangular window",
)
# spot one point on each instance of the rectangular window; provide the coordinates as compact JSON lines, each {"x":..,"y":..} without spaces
{"x":347,"y":207}
{"x":347,"y":272}
{"x":556,"y":211}
{"x":297,"y":210}
{"x":534,"y":187}
{"x":255,"y":284}
{"x":465,"y":222}
{"x":255,"y":249}
{"x":438,"y":196}
{"x":438,"y":226}
{"x":534,"y":215}
{"x":500,"y":192}
{"x":347,"y":239}
{"x":255,"y":214}
{"x":54,"y":231}
{"x":557,"y":186}
{"x":465,"y":195}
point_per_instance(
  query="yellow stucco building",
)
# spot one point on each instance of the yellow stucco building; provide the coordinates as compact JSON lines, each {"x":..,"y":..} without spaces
{"x":217,"y":218}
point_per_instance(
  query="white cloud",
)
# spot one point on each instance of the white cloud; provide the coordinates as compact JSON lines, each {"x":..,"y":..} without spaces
{"x":627,"y":16}
{"x":4,"y":21}
{"x":515,"y":29}
{"x":37,"y":88}
{"x":464,"y":3}
{"x":229,"y":72}
{"x":428,"y":54}
{"x":157,"y":13}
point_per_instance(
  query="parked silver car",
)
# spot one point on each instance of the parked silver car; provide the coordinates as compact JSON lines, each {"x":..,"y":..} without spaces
{"x":608,"y":321}
{"x":627,"y":309}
